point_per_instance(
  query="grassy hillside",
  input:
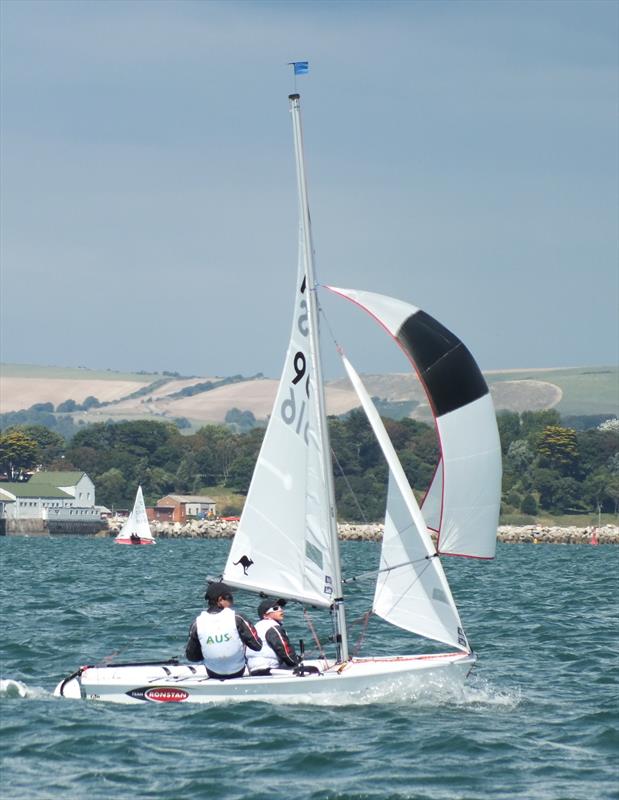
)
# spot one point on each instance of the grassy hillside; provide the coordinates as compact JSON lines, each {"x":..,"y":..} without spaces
{"x":72,"y":373}
{"x":573,"y":391}
{"x":584,"y":390}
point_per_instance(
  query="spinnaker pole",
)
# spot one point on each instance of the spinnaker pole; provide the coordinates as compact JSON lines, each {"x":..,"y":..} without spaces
{"x":308,"y":257}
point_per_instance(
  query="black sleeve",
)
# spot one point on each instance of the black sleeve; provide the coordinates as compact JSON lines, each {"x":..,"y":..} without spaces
{"x":279,"y":642}
{"x":248,"y":634}
{"x":193,"y":649}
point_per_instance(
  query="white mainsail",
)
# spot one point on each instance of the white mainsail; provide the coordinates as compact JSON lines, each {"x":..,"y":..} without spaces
{"x":411,"y":591}
{"x":463,"y":502}
{"x":137,"y":521}
{"x":281,"y":546}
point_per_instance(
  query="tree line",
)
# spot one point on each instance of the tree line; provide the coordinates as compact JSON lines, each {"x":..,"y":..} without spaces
{"x":547,"y":467}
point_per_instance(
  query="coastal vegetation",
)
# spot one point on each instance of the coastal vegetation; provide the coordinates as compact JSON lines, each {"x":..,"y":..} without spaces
{"x":549,"y":468}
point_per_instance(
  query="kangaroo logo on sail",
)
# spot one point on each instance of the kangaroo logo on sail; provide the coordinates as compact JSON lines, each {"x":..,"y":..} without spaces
{"x":245,"y":562}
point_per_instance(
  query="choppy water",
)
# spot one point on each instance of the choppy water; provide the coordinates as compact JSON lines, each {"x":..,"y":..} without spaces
{"x":538,"y":718}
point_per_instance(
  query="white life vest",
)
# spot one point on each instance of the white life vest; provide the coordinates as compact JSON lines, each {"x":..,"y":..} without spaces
{"x":222,"y":648}
{"x":266,"y":657}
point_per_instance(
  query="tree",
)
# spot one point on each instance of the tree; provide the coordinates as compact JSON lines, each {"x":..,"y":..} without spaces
{"x":45,"y":407}
{"x":529,"y":505}
{"x":186,"y":473}
{"x":519,"y":456}
{"x":594,"y":490}
{"x":50,"y":445}
{"x":112,"y":489}
{"x":240,"y":421}
{"x":66,"y":407}
{"x":508,"y":423}
{"x":612,"y":491}
{"x":157,"y":483}
{"x":18,"y":452}
{"x":558,"y":449}
{"x":222,"y":449}
{"x":90,"y":402}
{"x":533,"y":422}
{"x":546,"y":482}
{"x":241,"y":471}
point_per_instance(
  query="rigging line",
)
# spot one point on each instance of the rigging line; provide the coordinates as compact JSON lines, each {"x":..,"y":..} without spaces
{"x":416,"y":580}
{"x":366,"y":619}
{"x":350,"y":489}
{"x":372,"y":573}
{"x":340,"y":350}
{"x":325,"y":319}
{"x":310,"y":625}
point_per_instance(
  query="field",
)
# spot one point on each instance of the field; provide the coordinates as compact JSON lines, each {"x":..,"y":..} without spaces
{"x":574,"y":391}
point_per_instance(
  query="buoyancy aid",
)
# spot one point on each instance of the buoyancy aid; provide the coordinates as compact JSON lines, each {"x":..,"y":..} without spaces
{"x":266,"y":657}
{"x":222,"y":648}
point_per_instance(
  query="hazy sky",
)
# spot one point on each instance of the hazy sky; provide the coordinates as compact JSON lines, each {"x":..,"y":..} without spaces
{"x":462,"y":156}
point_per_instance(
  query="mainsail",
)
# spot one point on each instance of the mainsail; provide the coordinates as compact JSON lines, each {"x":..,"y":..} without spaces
{"x":281,"y":545}
{"x":411,"y":591}
{"x":463,"y":502}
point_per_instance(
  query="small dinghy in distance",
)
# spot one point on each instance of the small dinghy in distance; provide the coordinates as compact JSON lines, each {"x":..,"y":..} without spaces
{"x":136,"y":529}
{"x":286,"y":544}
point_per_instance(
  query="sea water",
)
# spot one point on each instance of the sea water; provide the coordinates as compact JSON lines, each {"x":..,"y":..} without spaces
{"x":538,"y":717}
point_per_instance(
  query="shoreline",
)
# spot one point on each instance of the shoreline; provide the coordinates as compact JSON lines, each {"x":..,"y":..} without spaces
{"x":510,"y":534}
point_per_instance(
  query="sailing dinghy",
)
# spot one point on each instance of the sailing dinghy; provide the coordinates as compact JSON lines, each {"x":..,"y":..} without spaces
{"x":136,"y":529}
{"x":286,"y":544}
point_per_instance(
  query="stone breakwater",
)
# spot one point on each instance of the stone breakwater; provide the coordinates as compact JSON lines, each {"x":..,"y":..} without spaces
{"x":216,"y":529}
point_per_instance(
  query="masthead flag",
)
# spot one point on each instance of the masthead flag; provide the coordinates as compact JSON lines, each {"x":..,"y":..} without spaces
{"x":300,"y":67}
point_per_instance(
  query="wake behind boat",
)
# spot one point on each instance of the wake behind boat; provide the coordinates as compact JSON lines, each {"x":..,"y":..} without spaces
{"x":136,"y":529}
{"x":286,"y":544}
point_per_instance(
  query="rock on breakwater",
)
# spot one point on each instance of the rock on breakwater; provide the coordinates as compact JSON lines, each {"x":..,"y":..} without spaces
{"x":512,"y":534}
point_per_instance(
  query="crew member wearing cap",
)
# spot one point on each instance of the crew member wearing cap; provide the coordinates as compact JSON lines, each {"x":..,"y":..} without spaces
{"x":219,"y":636}
{"x":276,"y":651}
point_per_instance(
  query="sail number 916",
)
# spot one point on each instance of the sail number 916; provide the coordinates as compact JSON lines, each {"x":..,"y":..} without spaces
{"x":294,"y":409}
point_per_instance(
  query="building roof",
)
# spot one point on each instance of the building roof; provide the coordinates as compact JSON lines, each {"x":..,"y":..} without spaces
{"x":26,"y":489}
{"x":188,"y":498}
{"x":56,"y":478}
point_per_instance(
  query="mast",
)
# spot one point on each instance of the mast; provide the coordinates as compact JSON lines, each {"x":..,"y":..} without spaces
{"x":338,"y":601}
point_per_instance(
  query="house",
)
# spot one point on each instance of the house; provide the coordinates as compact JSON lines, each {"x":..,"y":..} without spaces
{"x":181,"y":507}
{"x":49,"y":495}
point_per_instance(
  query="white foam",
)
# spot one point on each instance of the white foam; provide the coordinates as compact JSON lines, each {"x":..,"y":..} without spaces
{"x":13,"y":688}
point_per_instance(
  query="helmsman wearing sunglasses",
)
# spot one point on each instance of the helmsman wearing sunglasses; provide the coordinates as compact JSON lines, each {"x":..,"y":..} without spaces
{"x":276,"y":651}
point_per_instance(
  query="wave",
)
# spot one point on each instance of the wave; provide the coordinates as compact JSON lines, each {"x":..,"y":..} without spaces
{"x":10,"y":688}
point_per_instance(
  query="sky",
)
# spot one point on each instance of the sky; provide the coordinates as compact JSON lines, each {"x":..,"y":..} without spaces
{"x":462,"y":156}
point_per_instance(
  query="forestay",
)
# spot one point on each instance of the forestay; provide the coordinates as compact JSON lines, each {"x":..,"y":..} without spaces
{"x":411,"y":591}
{"x":463,"y":502}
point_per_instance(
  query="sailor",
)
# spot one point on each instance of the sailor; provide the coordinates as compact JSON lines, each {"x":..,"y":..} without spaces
{"x":219,"y":636}
{"x":276,"y":652}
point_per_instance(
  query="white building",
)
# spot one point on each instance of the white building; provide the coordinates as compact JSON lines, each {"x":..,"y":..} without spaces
{"x":49,"y":495}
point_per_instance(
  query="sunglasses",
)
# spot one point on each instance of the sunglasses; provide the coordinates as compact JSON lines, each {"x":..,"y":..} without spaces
{"x":275,"y":608}
{"x":227,"y":597}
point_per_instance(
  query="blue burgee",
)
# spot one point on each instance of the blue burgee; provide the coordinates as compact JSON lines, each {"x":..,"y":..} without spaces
{"x":300,"y":67}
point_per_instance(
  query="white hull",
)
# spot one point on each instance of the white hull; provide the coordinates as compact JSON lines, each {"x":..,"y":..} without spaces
{"x":358,"y":679}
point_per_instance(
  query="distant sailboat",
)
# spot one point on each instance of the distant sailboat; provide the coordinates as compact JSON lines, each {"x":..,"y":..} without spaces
{"x":136,"y":529}
{"x":286,"y":544}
